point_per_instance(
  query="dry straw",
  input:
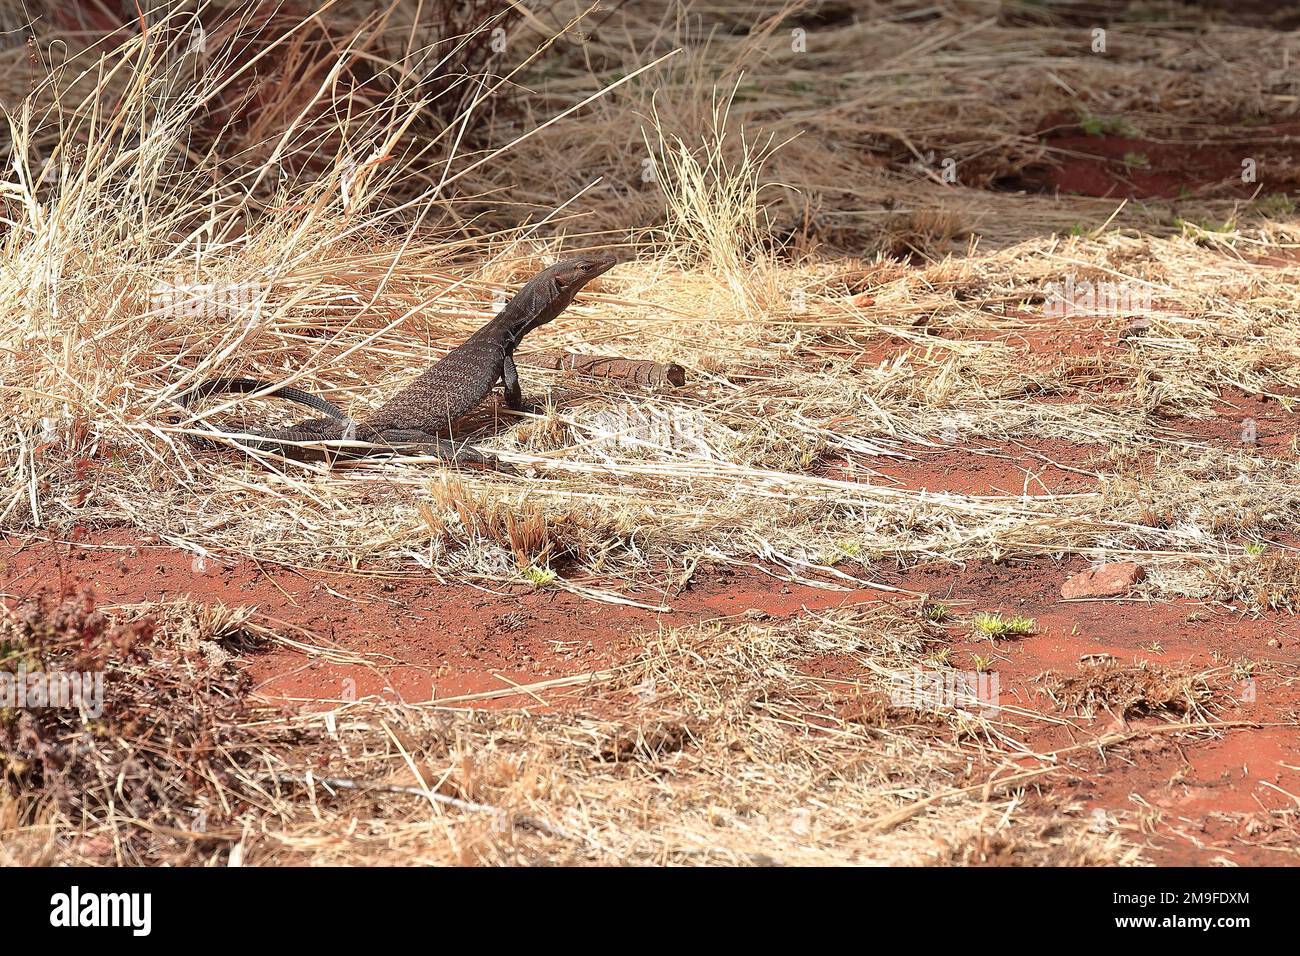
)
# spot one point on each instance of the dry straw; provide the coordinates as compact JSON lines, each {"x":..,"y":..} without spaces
{"x":841,"y":312}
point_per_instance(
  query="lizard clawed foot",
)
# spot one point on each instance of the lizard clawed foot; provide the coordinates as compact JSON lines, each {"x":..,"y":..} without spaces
{"x":531,"y":407}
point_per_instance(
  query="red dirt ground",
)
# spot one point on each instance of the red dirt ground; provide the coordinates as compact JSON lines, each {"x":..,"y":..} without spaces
{"x":1117,"y":166}
{"x":1231,"y":795}
{"x":1211,"y":797}
{"x":412,"y":638}
{"x":1203,"y":799}
{"x":1275,"y":428}
{"x":1022,"y":468}
{"x":1027,"y":467}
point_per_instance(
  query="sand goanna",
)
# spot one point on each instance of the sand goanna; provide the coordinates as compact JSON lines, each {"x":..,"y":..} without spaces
{"x":410,"y":421}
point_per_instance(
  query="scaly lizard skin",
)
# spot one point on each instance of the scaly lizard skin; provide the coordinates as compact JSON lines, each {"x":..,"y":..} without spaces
{"x":411,"y":420}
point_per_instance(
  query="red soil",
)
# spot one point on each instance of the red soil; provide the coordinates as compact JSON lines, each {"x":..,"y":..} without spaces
{"x":410,"y":638}
{"x":1129,"y":167}
{"x":1274,"y":431}
{"x":980,"y":468}
{"x":1213,"y":795}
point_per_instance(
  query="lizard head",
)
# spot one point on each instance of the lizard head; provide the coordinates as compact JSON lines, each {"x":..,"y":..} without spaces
{"x":562,"y":281}
{"x":576,"y":272}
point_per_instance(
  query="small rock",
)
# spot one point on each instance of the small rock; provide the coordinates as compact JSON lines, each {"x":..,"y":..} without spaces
{"x":1106,"y":580}
{"x":1136,"y":328}
{"x":1099,"y":659}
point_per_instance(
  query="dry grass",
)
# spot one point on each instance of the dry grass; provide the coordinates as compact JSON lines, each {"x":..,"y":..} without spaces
{"x":344,"y":285}
{"x":840,"y":310}
{"x":1140,"y":690}
{"x":713,"y":745}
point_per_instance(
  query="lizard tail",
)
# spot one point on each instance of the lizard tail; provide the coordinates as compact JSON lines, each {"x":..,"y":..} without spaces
{"x":217,"y":386}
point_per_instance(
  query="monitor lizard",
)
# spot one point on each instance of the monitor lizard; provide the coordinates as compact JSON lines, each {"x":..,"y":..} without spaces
{"x":410,"y":422}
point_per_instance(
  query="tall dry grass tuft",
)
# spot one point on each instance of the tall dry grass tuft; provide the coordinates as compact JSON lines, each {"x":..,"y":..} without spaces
{"x":170,"y":214}
{"x":521,"y":530}
{"x":714,"y":217}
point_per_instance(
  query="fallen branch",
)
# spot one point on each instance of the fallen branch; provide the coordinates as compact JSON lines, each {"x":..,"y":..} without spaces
{"x":605,"y":366}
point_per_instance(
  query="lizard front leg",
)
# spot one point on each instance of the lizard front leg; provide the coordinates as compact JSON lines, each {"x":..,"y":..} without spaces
{"x":510,"y":379}
{"x":514,"y":396}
